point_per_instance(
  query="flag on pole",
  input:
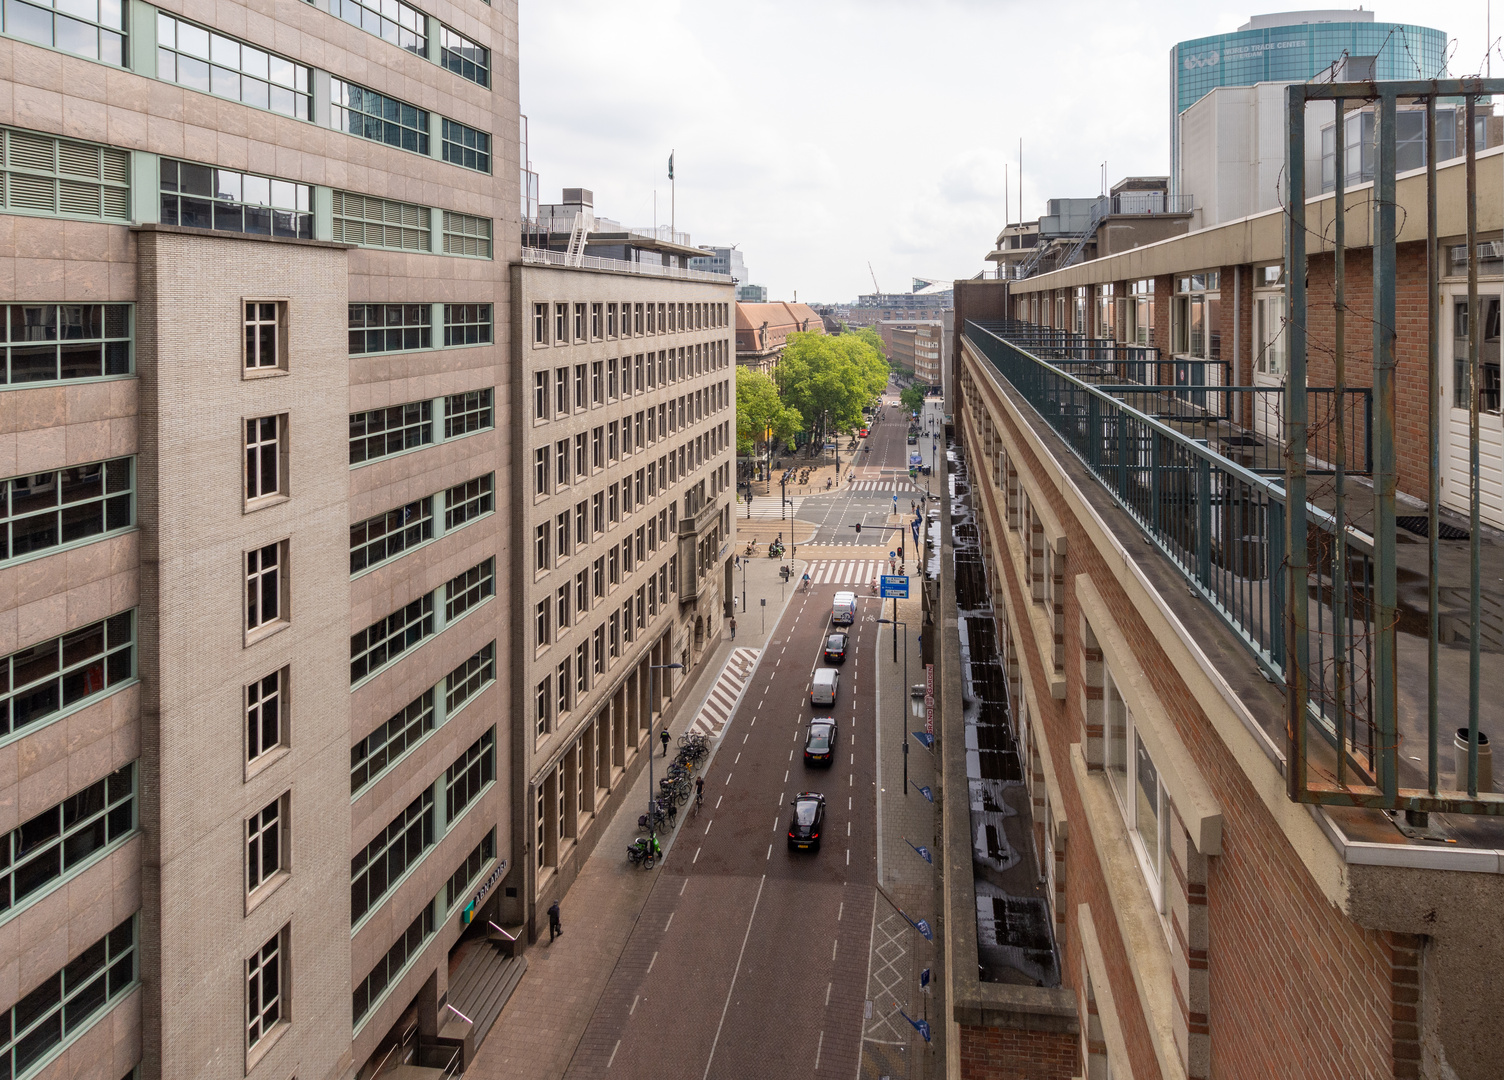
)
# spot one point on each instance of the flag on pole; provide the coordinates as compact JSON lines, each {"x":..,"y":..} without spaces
{"x":924,"y":852}
{"x":670,"y":164}
{"x":921,"y":1026}
{"x":923,"y":926}
{"x":927,"y":793}
{"x":926,"y":740}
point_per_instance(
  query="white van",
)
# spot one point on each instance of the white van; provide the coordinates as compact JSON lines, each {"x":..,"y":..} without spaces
{"x":823,"y":690}
{"x":843,"y":611}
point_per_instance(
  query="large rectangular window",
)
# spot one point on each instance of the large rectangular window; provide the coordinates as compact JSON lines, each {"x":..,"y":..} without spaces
{"x":264,"y":849}
{"x":374,"y":754}
{"x":466,"y":147}
{"x":378,"y":866}
{"x":464,"y":57}
{"x":68,"y":1001}
{"x":466,"y":234}
{"x":57,"y":843}
{"x":264,"y":730}
{"x":461,"y":880}
{"x":203,"y":197}
{"x":92,"y":28}
{"x":377,"y":328}
{"x":385,"y":536}
{"x":467,"y":324}
{"x":59,"y":342}
{"x":264,"y":976}
{"x":50,"y":677}
{"x":384,"y":223}
{"x":206,"y":60}
{"x":391,"y":966}
{"x":265,"y":583}
{"x":470,"y":589}
{"x":264,"y":457}
{"x":469,"y":679}
{"x":467,"y":412}
{"x":47,"y":175}
{"x":465,"y":502}
{"x":47,"y":510}
{"x":367,"y":114}
{"x":385,"y":640}
{"x":391,"y":20}
{"x":469,"y":775}
{"x":383,"y":432}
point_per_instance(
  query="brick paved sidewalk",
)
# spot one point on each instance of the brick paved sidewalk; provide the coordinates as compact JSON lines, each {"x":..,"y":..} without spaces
{"x":539,"y":1031}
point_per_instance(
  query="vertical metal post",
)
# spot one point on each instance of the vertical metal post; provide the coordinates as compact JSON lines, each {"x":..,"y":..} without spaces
{"x":1475,"y":319}
{"x":1339,"y":390}
{"x":1203,"y":520}
{"x":1385,"y":466}
{"x":1433,"y":442}
{"x":1297,"y":646}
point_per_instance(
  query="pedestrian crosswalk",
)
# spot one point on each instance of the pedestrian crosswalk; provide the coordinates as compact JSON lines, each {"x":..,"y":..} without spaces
{"x":881,"y":485}
{"x":766,"y":509}
{"x":847,"y":571}
{"x":720,"y":703}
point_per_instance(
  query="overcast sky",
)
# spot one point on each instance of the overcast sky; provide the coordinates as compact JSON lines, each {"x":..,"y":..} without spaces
{"x":819,"y":135}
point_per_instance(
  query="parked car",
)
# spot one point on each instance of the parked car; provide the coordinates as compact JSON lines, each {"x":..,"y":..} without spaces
{"x":804,"y":827}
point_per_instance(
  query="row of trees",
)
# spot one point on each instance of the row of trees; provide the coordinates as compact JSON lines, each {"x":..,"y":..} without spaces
{"x":819,"y":386}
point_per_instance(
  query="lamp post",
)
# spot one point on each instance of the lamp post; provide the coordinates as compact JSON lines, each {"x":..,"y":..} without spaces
{"x":652,"y":700}
{"x":903,"y":715}
{"x":744,"y":586}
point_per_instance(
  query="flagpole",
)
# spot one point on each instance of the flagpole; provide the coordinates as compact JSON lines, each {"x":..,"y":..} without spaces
{"x":672,"y":200}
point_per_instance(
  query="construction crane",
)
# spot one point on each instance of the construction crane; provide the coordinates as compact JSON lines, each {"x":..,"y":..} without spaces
{"x":875,"y":285}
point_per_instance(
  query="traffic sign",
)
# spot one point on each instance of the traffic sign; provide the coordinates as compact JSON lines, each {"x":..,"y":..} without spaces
{"x":895,"y":585}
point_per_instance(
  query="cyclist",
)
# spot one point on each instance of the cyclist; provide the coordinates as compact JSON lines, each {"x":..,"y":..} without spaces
{"x":806,"y":581}
{"x":699,"y":792}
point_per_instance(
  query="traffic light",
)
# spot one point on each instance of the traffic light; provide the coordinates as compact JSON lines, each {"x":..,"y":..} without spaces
{"x":858,"y":528}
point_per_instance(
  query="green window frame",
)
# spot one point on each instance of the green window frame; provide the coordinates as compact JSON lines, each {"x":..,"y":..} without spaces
{"x":465,"y":234}
{"x":464,"y":57}
{"x":44,"y":512}
{"x":379,"y":751}
{"x":472,"y":772}
{"x":469,"y":590}
{"x":95,"y":29}
{"x":60,"y":675}
{"x":466,"y":146}
{"x":377,"y":867}
{"x":56,"y":177}
{"x":384,"y":537}
{"x":465,"y":502}
{"x":226,"y":200}
{"x":357,"y":110}
{"x":470,"y":870}
{"x":380,"y":328}
{"x":386,"y":640}
{"x":380,"y":433}
{"x":202,"y":59}
{"x":467,"y":324}
{"x":391,"y":20}
{"x":467,"y":412}
{"x":469,"y":679}
{"x":368,"y":221}
{"x":49,"y":343}
{"x":391,"y":966}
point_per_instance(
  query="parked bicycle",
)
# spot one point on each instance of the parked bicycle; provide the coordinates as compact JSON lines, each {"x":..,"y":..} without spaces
{"x":644,"y":852}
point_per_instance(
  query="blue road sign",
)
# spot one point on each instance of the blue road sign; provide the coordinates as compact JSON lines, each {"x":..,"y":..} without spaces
{"x":895,"y":585}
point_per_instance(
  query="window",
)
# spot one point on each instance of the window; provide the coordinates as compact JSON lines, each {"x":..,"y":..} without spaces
{"x":467,"y":324}
{"x":203,"y":197}
{"x":384,"y":223}
{"x":378,"y":328}
{"x":263,"y":845}
{"x":85,"y":30}
{"x":59,"y":342}
{"x":461,"y":880}
{"x":263,"y":989}
{"x":264,"y":457}
{"x":386,"y":536}
{"x":59,"y":842}
{"x":540,"y":471}
{"x":595,"y":320}
{"x":469,"y":679}
{"x":467,"y":590}
{"x":469,"y":775}
{"x":579,"y":384}
{"x":540,"y":547}
{"x":598,"y":643}
{"x":374,"y":754}
{"x":465,"y":502}
{"x":466,"y":234}
{"x":579,"y":322}
{"x":540,"y":395}
{"x":68,"y":1001}
{"x":204,"y":60}
{"x":561,"y":325}
{"x":561,"y":533}
{"x":541,"y":705}
{"x":378,"y":866}
{"x":582,"y":668}
{"x":598,"y":578}
{"x":464,"y":57}
{"x":467,"y":412}
{"x":390,"y":967}
{"x":262,"y":338}
{"x":561,"y":605}
{"x":383,"y":432}
{"x":1135,"y":781}
{"x":581,"y":528}
{"x":582,"y":591}
{"x":391,"y":20}
{"x":51,"y":676}
{"x":563,"y":686}
{"x":264,"y":585}
{"x":561,"y":462}
{"x":466,"y":147}
{"x":542,"y":619}
{"x":47,"y":510}
{"x":263,"y":715}
{"x":385,"y":640}
{"x":365,"y":113}
{"x":598,"y":512}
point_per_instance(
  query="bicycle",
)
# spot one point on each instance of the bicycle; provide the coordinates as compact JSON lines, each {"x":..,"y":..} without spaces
{"x":699,"y":794}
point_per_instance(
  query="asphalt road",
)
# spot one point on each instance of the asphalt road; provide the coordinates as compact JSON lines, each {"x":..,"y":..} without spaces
{"x":750,"y":960}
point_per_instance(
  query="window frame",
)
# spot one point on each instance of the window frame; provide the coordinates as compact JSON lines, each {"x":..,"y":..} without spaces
{"x":279,"y":336}
{"x":255,"y":575}
{"x":271,"y":693}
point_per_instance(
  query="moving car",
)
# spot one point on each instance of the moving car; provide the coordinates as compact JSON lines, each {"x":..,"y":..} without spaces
{"x":820,"y":743}
{"x":843,"y":608}
{"x":809,"y":815}
{"x":916,"y":458}
{"x":862,"y":434}
{"x":823,"y":690}
{"x":913,"y":437}
{"x":835,"y":649}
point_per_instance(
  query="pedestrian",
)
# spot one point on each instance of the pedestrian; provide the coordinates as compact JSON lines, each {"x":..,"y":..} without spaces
{"x":554,"y":927}
{"x":733,"y":629}
{"x":664,"y":737}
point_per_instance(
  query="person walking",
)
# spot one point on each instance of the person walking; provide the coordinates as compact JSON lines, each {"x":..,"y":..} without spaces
{"x":554,"y":927}
{"x":664,"y":736}
{"x":733,"y":629}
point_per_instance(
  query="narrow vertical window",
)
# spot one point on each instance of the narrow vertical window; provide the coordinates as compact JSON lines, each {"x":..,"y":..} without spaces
{"x":264,"y":974}
{"x":263,"y":585}
{"x":263,"y":457}
{"x":262,"y":335}
{"x":263,"y":845}
{"x":264,"y":706}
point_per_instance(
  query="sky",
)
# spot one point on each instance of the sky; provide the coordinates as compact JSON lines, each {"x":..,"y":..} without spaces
{"x":823,"y":135}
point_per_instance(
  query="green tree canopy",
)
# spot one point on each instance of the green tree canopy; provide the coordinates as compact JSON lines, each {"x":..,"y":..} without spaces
{"x":912,"y":397}
{"x":828,"y":378}
{"x":759,"y":411}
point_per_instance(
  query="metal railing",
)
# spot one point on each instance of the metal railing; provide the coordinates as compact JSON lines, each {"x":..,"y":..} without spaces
{"x":1219,"y":522}
{"x":595,"y":262}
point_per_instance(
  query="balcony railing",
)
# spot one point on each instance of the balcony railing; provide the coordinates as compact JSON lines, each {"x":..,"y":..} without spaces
{"x":1218,"y":521}
{"x":543,"y":257}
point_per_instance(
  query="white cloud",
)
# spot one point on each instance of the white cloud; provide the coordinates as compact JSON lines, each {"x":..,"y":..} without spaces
{"x":821,"y":135}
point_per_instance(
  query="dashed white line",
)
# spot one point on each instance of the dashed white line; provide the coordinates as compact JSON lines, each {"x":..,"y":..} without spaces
{"x":827,"y":992}
{"x":666,"y":925}
{"x":840,"y":911}
{"x":833,"y":945}
{"x":785,"y":776}
{"x":718,"y":802}
{"x":691,"y":862}
{"x":745,"y":737}
{"x":818,"y":1047}
{"x":654,"y":960}
{"x":848,"y":828}
{"x":614,"y":1049}
{"x":738,"y":758}
{"x":850,"y":779}
{"x":635,"y":999}
{"x":686,"y":885}
{"x":770,"y":852}
{"x":728,"y":778}
{"x":848,"y":856}
{"x":708,"y":824}
{"x":791,"y":755}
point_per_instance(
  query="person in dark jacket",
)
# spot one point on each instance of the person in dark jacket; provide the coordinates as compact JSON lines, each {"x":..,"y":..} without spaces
{"x":554,"y":928}
{"x":664,"y":736}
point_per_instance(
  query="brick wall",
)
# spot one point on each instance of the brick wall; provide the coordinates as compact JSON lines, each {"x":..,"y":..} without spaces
{"x":989,"y":1053}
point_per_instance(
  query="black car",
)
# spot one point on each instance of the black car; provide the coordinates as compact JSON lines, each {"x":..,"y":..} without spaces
{"x":835,"y":649}
{"x":820,"y":743}
{"x":809,"y":816}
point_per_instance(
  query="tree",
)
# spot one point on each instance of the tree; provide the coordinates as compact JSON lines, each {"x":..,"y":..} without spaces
{"x":828,"y":378}
{"x":759,"y":411}
{"x":912,"y":397}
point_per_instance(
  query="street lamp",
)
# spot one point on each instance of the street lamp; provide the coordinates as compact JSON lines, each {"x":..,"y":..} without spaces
{"x":744,"y":585}
{"x":653,"y":700}
{"x":903,"y":713}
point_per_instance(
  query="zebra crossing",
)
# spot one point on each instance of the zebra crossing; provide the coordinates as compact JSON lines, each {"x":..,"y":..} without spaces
{"x":720,"y":703}
{"x":766,"y":509}
{"x":882,"y":485}
{"x":846,"y":571}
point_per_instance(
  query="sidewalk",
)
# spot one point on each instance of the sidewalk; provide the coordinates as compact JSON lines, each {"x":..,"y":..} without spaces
{"x":891,"y":1046}
{"x":539,"y":1031}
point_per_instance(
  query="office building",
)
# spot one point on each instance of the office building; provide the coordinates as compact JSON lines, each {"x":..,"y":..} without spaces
{"x":752,"y":294}
{"x":259,"y":311}
{"x":927,"y":300}
{"x":721,"y":260}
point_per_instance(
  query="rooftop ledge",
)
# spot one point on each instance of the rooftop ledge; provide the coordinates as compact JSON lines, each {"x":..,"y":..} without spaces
{"x":539,"y":257}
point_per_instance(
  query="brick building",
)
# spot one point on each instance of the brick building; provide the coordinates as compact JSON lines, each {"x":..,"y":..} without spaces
{"x":762,"y":330}
{"x":1206,"y":923}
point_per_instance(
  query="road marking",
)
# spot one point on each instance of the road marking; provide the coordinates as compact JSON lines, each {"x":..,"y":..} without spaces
{"x":827,"y":993}
{"x":666,"y":925}
{"x":738,"y":758}
{"x":770,"y":853}
{"x":691,"y":863}
{"x":614,"y":1049}
{"x":848,"y":828}
{"x":775,"y":823}
{"x":779,"y":803}
{"x":728,"y":778}
{"x":791,"y":755}
{"x":718,"y":803}
{"x":848,"y":802}
{"x":853,"y":759}
{"x":785,"y":776}
{"x":654,"y":960}
{"x":833,"y":945}
{"x":850,"y":779}
{"x":637,"y":997}
{"x":708,"y":824}
{"x":818,"y":1047}
{"x":848,"y":856}
{"x":686,"y":880}
{"x":745,"y":737}
{"x":839,"y":911}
